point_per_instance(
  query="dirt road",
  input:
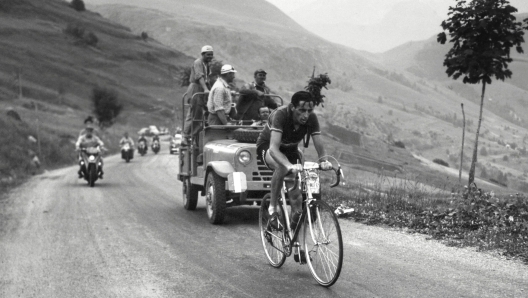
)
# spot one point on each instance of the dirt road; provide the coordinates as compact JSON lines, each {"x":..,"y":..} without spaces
{"x":130,"y":236}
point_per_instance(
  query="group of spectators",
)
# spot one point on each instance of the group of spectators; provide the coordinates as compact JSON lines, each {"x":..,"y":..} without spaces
{"x":217,"y":104}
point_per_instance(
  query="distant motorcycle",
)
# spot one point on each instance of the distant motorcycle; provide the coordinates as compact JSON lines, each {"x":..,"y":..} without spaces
{"x":127,"y":153}
{"x":155,"y":146}
{"x":91,"y":164}
{"x":142,"y":148}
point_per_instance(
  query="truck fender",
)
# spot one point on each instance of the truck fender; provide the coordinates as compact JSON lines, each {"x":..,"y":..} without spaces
{"x":222,"y":168}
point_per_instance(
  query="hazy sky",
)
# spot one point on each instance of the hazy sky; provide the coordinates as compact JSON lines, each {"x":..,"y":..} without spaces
{"x":373,"y":10}
{"x":370,"y":13}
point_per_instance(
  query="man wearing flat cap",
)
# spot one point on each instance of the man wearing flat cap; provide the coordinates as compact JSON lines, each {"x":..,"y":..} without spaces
{"x":252,"y":98}
{"x":199,"y":80}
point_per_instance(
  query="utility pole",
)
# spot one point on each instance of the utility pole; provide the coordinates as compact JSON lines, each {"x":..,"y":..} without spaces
{"x":38,"y":129}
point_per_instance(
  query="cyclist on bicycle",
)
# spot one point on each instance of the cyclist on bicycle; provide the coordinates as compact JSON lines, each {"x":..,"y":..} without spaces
{"x":277,"y":147}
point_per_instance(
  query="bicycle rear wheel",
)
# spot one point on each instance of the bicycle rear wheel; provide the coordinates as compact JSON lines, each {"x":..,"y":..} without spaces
{"x":323,"y":244}
{"x":272,"y":239}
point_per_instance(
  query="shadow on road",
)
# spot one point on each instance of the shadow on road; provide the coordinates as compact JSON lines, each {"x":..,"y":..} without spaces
{"x":235,"y":216}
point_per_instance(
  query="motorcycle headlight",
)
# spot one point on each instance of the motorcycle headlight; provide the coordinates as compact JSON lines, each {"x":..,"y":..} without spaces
{"x":244,"y":157}
{"x":91,"y":158}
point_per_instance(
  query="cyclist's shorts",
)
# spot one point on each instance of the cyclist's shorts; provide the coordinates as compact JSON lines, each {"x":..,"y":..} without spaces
{"x":293,"y":156}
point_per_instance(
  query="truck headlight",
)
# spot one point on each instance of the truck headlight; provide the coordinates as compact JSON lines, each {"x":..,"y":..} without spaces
{"x":244,"y":157}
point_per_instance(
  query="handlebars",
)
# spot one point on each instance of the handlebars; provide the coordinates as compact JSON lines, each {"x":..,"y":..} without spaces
{"x":317,"y":166}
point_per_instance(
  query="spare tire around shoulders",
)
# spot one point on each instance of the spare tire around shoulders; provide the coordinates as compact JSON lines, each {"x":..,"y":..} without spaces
{"x":247,"y":135}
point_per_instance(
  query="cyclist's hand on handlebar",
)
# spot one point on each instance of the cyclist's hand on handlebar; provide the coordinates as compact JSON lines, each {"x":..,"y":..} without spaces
{"x":295,"y":169}
{"x":326,"y":165}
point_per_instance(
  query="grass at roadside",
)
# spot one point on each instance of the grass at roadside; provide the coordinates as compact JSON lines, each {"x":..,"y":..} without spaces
{"x":483,"y":220}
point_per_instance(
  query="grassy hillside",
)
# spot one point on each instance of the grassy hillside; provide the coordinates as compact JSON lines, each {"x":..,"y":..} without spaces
{"x":369,"y":94}
{"x":48,"y":71}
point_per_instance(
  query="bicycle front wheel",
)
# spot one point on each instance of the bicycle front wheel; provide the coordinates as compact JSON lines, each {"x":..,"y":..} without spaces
{"x":323,"y":243}
{"x":272,"y":239}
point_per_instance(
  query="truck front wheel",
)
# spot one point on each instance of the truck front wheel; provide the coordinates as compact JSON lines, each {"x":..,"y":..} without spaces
{"x":215,"y":198}
{"x":190,"y":194}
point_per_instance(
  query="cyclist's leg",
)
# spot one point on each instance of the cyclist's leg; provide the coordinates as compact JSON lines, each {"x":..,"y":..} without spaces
{"x":279,"y":172}
{"x":295,"y":195}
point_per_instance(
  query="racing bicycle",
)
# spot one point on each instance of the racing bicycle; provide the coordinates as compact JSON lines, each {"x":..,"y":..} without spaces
{"x":321,"y":244}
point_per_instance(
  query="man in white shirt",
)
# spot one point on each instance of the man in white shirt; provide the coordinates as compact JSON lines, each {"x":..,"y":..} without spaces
{"x":220,"y":102}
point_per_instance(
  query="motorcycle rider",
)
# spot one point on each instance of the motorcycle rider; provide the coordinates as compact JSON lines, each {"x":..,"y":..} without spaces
{"x":89,"y":140}
{"x":126,"y":140}
{"x":155,"y":141}
{"x":155,"y":138}
{"x":144,"y":140}
{"x":89,"y":121}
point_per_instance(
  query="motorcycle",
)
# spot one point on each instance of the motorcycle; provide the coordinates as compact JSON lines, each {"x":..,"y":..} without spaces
{"x":91,"y":164}
{"x":155,"y":146}
{"x":127,"y":153}
{"x":142,"y":148}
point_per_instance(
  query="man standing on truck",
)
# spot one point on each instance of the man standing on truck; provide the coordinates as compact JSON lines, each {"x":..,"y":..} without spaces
{"x":220,"y":101}
{"x":199,"y":82}
{"x":252,"y":98}
{"x":277,"y":147}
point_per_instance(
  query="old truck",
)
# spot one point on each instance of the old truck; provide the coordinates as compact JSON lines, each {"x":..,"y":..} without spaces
{"x":221,"y":163}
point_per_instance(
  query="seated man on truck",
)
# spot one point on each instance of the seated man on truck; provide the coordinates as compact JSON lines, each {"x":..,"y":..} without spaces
{"x":264,"y":113}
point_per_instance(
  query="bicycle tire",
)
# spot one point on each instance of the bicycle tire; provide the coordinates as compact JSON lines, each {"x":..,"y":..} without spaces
{"x":272,"y":241}
{"x":323,"y":244}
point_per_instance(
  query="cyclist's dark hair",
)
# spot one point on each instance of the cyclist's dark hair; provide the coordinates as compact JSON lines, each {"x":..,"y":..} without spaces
{"x":301,"y":96}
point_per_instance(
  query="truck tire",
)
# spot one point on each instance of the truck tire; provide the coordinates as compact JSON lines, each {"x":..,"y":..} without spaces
{"x":92,"y":175}
{"x":246,"y":135}
{"x":215,"y":198}
{"x":190,"y":194}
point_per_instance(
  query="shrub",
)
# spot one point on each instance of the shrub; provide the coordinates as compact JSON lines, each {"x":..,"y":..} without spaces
{"x":505,"y":158}
{"x":78,"y":31}
{"x":144,"y":36}
{"x":440,"y":162}
{"x":106,"y":106}
{"x":75,"y":30}
{"x":91,"y":39}
{"x":399,"y":144}
{"x":78,"y":5}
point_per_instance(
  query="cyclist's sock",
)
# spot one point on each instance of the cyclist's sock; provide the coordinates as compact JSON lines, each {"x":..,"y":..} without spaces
{"x":271,"y":209}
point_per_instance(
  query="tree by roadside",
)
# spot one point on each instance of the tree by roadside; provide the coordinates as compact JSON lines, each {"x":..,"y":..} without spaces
{"x":483,"y":33}
{"x":106,"y":106}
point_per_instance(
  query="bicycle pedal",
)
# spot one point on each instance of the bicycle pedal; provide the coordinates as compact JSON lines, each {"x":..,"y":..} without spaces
{"x":301,"y":260}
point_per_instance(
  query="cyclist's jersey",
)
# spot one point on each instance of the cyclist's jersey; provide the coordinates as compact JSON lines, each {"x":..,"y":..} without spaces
{"x":281,"y":120}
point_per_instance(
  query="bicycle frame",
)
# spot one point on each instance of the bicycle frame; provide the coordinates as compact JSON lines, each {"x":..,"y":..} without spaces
{"x":303,"y":177}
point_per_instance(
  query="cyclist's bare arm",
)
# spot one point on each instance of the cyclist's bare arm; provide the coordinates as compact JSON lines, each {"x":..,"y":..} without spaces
{"x":280,"y":161}
{"x":321,"y":152}
{"x":319,"y":147}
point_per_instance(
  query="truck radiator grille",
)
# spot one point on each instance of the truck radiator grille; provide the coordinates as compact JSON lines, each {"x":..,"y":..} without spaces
{"x":263,"y":174}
